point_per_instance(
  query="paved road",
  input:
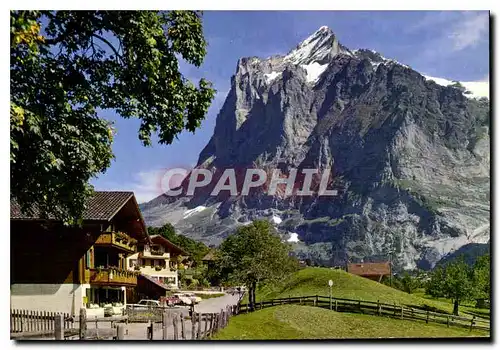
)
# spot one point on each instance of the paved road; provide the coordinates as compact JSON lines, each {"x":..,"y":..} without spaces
{"x":216,"y":304}
{"x":137,"y":331}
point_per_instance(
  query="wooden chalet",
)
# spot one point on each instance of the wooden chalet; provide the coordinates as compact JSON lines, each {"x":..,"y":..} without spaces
{"x":373,"y":271}
{"x":157,"y":261}
{"x":62,"y":269}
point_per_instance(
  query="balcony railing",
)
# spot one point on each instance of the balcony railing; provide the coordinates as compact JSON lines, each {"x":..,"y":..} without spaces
{"x":118,"y":240}
{"x":157,"y":252}
{"x":112,"y":277}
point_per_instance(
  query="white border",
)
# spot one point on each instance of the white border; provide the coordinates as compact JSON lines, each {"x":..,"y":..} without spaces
{"x":208,"y":5}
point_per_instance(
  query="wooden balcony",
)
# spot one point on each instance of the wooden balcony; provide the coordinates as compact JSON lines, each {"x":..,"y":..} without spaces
{"x":112,"y":277}
{"x":118,"y":240}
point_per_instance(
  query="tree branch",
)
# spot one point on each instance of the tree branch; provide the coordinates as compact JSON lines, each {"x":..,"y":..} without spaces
{"x":118,"y":56}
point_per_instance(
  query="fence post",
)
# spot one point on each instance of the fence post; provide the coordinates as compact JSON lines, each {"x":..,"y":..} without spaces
{"x":206,"y":326}
{"x":210,"y":329}
{"x":176,"y":330}
{"x":214,"y":328}
{"x":394,"y":308}
{"x":472,"y":323}
{"x":96,"y":329}
{"x":199,"y":326}
{"x":427,"y":319}
{"x":378,"y":307}
{"x":193,"y":326}
{"x":183,"y":334}
{"x":150,"y":330}
{"x":22,"y":320}
{"x":401,"y":312}
{"x":164,"y":321}
{"x":83,"y":323}
{"x":59,"y":327}
{"x":448,"y":321}
{"x":335,"y":304}
{"x":120,"y":331}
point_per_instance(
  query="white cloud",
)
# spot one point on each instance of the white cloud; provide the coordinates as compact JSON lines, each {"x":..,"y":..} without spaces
{"x":146,"y":185}
{"x":452,"y":32}
{"x":470,"y":31}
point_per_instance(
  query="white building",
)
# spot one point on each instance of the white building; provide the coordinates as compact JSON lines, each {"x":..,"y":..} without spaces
{"x":158,"y":260}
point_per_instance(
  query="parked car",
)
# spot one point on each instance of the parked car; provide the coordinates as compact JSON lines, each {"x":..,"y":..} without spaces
{"x":170,"y":300}
{"x":147,"y":304}
{"x":193,"y":297}
{"x":185,"y":300}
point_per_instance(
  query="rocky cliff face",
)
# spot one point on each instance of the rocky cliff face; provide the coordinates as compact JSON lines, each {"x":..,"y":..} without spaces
{"x":411,"y":157}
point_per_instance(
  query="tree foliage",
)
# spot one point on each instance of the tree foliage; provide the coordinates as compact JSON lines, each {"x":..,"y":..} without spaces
{"x":454,"y":281}
{"x":409,"y":283}
{"x":68,"y":65}
{"x":482,"y":277}
{"x":196,"y":250}
{"x":255,"y":253}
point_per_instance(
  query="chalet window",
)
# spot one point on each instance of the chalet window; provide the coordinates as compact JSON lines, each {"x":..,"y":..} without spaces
{"x":87,"y":259}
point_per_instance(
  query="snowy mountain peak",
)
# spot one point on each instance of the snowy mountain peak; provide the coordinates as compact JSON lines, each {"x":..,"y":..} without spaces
{"x":320,"y":47}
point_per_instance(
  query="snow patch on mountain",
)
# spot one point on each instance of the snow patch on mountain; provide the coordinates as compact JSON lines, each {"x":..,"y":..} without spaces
{"x":294,"y":238}
{"x":276,"y":219}
{"x":190,"y":212}
{"x":474,"y":89}
{"x":271,"y":76}
{"x":314,"y":71}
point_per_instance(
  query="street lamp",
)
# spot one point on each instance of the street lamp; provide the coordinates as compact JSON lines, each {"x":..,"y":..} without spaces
{"x":330,"y":284}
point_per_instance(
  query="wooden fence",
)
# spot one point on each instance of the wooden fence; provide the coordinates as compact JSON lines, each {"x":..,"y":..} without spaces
{"x":58,"y":326}
{"x":196,"y":327}
{"x":27,"y":322}
{"x":53,"y":325}
{"x":375,"y":308}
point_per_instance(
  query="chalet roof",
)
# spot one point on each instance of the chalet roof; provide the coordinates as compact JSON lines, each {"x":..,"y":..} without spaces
{"x":210,"y":256}
{"x":102,"y":206}
{"x":367,"y":269}
{"x":159,"y":239}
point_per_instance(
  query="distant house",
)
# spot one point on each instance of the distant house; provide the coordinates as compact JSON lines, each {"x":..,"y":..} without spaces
{"x":373,"y":271}
{"x":158,"y":261}
{"x":209,"y":259}
{"x":59,"y":268}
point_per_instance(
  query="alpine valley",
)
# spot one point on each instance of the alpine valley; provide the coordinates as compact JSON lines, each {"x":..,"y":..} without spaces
{"x":410,"y":156}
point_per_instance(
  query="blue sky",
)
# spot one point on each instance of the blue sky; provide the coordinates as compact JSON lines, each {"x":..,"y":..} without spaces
{"x":452,"y":45}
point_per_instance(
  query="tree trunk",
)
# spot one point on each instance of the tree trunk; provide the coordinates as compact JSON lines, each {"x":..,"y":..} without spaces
{"x":250,"y":297}
{"x":254,"y":288}
{"x":455,"y":307}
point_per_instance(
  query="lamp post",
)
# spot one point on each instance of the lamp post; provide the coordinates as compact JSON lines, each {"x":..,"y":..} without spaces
{"x":330,"y":284}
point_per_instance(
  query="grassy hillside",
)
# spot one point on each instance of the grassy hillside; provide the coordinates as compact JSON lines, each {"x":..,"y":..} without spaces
{"x":306,"y":322}
{"x":314,"y":280}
